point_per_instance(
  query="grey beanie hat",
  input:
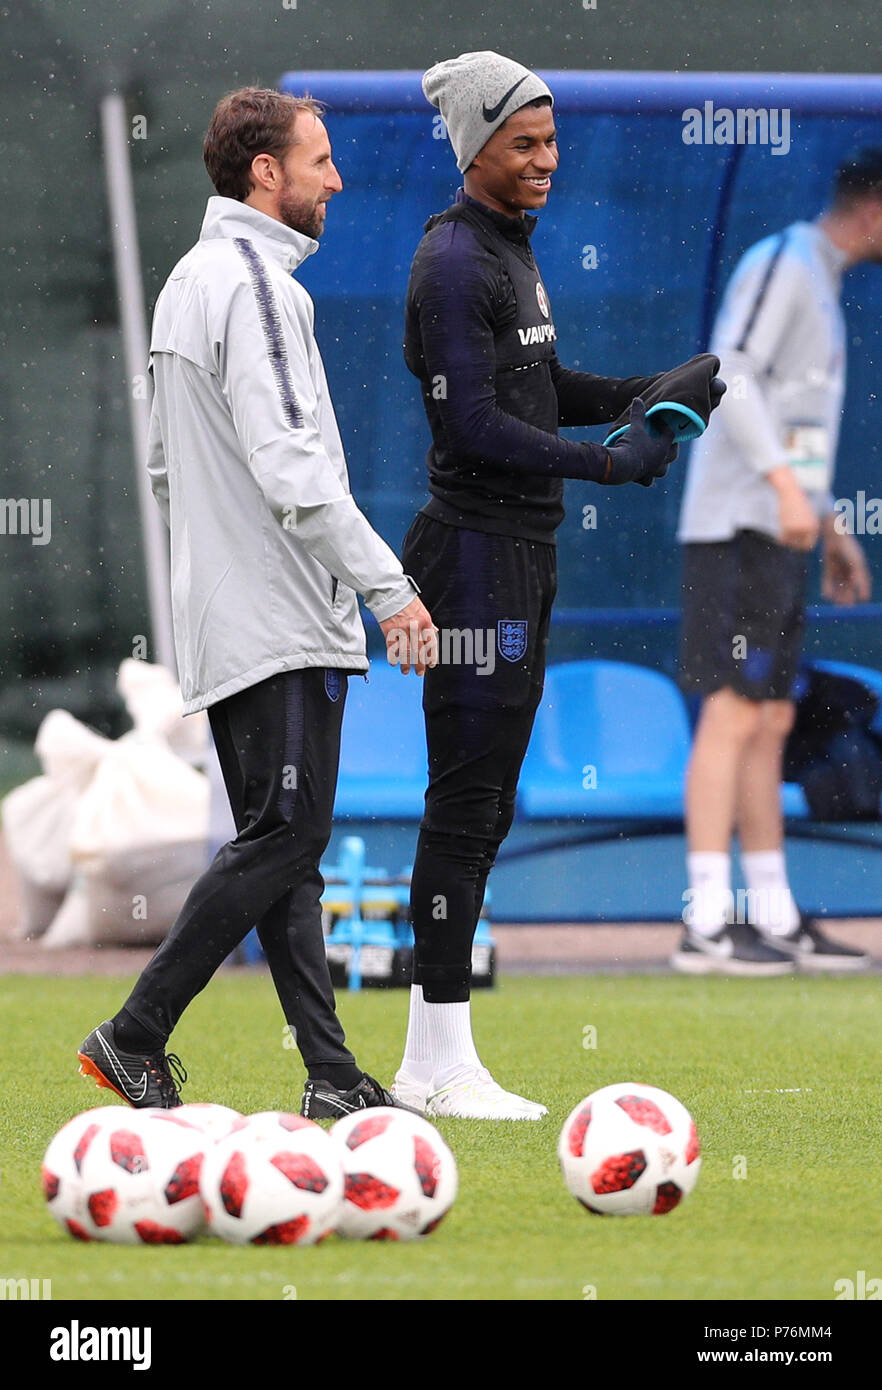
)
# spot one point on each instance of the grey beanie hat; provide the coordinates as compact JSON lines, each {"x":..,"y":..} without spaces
{"x":475,"y":93}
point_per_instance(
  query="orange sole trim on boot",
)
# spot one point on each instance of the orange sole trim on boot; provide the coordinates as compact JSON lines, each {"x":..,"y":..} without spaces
{"x":88,"y":1068}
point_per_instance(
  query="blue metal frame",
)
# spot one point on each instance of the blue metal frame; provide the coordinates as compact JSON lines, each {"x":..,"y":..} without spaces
{"x":624,"y":93}
{"x":635,"y":94}
{"x":656,"y":617}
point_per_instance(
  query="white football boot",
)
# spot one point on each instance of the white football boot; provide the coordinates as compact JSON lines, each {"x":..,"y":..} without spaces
{"x":408,"y":1091}
{"x":472,"y":1094}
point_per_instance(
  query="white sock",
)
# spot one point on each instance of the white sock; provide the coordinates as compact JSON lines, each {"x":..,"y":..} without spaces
{"x":772,"y":907}
{"x":710,"y":894}
{"x":450,"y":1039}
{"x":417,"y":1059}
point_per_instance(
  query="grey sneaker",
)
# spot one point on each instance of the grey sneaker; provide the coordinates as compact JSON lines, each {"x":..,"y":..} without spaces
{"x":810,"y":949}
{"x":738,"y":949}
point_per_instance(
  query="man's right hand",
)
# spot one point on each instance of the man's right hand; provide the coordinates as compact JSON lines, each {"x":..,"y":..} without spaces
{"x":638,"y":456}
{"x":411,"y":638}
{"x":798,"y":523}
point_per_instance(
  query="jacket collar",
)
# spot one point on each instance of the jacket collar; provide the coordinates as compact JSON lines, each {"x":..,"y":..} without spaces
{"x":833,"y":257}
{"x":227,"y":217}
{"x":517,"y":229}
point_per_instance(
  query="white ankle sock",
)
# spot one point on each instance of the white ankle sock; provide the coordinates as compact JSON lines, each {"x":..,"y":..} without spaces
{"x":417,"y":1059}
{"x":772,"y":907}
{"x":710,"y":874}
{"x":450,"y":1039}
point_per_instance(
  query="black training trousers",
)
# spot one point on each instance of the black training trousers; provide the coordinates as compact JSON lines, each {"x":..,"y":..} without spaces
{"x":278,"y":743}
{"x":491,"y":597}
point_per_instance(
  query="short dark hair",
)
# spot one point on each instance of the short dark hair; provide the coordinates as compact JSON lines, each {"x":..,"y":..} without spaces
{"x":858,"y":177}
{"x":251,"y":121}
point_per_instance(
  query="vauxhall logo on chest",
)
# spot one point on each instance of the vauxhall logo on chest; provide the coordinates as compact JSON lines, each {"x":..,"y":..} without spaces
{"x":539,"y":332}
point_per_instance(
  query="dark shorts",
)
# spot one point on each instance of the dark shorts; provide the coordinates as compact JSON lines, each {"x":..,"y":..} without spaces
{"x":743,"y":616}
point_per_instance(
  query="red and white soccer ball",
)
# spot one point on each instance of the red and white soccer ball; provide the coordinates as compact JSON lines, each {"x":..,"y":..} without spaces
{"x":629,"y":1150}
{"x":276,"y":1179}
{"x":215,"y":1121}
{"x":129,"y":1177}
{"x":62,"y":1166}
{"x":400,"y":1176}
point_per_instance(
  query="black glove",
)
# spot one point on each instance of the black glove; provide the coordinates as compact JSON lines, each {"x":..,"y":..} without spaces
{"x":638,"y":456}
{"x":693,"y":390}
{"x":717,"y":391}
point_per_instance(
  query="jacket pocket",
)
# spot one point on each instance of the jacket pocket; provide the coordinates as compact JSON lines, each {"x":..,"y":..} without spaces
{"x":342,"y":598}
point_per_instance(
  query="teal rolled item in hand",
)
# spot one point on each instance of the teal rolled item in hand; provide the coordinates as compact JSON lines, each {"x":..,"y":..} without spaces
{"x":681,"y":400}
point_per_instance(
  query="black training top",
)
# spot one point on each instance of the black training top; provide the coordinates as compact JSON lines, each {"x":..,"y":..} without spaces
{"x":480,"y":337}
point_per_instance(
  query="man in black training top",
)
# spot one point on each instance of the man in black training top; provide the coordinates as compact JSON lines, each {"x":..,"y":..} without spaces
{"x":480,"y":338}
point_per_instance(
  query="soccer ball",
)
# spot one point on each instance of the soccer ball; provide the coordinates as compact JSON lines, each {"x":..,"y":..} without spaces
{"x":276,"y":1179}
{"x":629,"y":1150}
{"x":400,"y":1176}
{"x":215,"y":1121}
{"x":127,"y":1177}
{"x":62,"y":1166}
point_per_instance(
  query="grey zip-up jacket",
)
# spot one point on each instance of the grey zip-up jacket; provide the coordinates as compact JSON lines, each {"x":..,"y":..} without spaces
{"x":268,"y":548}
{"x":780,"y":337}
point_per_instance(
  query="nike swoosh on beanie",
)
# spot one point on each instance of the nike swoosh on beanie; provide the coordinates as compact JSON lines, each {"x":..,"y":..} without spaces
{"x":495,"y":111}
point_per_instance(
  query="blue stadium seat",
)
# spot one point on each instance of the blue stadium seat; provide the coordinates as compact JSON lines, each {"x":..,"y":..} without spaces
{"x":793,"y":802}
{"x":383,"y":762}
{"x":611,"y":741}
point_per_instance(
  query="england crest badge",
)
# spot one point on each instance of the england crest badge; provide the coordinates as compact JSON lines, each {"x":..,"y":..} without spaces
{"x":511,"y":638}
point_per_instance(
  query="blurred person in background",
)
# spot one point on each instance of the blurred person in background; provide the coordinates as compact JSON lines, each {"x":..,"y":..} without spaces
{"x":758,"y":496}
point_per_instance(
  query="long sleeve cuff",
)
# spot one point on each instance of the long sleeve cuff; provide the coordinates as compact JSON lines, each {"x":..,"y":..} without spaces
{"x":385,"y":603}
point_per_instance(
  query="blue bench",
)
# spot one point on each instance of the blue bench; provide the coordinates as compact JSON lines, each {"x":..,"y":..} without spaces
{"x":600,"y":801}
{"x":611,"y":743}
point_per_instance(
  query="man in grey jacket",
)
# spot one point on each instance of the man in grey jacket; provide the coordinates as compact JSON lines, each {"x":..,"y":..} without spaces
{"x":268,"y":552}
{"x":758,"y":495}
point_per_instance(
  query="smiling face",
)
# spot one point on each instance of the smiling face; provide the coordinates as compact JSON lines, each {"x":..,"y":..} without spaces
{"x":512,"y":173}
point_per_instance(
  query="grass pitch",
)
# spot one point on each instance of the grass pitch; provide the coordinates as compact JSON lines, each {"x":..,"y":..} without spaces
{"x":781,"y":1075}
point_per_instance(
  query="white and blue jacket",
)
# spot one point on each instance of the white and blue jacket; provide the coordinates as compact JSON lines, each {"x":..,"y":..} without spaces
{"x":268,"y":548}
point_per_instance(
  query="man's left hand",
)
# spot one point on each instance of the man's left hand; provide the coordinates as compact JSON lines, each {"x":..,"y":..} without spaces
{"x":411,"y":638}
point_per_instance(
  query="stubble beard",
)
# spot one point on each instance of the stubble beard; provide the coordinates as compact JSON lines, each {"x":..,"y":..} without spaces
{"x":298,"y":214}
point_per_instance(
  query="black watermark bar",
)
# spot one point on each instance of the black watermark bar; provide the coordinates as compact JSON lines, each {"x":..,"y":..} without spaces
{"x":145,"y":1339}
